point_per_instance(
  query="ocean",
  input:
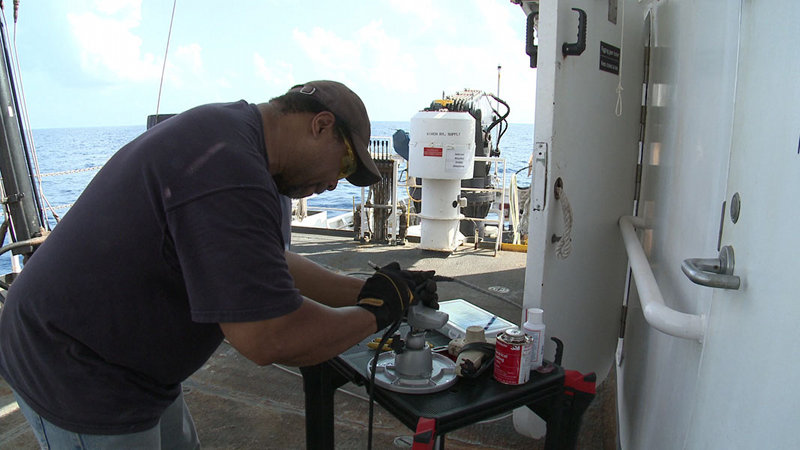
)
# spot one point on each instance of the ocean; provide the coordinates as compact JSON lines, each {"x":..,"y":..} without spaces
{"x":68,"y":158}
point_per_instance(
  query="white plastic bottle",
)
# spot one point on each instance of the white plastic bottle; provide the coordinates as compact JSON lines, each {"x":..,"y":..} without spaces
{"x":534,"y":327}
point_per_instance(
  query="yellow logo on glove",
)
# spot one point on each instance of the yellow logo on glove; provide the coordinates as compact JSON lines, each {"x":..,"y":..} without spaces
{"x":371,"y":301}
{"x":410,"y":294}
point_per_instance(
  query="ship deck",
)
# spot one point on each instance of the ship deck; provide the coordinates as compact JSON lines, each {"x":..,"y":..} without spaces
{"x":239,"y":405}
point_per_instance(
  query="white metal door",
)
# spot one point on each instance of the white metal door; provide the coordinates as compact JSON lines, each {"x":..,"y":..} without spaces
{"x":686,"y":152}
{"x":746,"y":393}
{"x":581,"y":142}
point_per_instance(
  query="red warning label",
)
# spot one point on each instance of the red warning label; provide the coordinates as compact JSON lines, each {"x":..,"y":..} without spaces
{"x":432,"y":151}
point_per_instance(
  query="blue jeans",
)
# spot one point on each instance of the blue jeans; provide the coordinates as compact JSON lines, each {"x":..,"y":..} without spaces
{"x":175,"y":430}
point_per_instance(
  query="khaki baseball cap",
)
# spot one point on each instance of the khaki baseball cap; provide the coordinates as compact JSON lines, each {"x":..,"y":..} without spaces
{"x":352,"y":114}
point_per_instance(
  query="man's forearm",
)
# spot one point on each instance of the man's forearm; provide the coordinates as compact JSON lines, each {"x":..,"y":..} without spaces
{"x":321,"y":284}
{"x":309,"y":335}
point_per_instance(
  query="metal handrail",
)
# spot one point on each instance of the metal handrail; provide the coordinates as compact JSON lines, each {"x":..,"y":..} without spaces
{"x":656,"y":312}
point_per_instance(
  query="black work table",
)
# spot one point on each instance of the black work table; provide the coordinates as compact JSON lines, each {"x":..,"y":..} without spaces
{"x":466,"y":402}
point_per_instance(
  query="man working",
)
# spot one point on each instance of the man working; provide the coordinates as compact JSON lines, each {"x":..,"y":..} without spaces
{"x":176,"y":244}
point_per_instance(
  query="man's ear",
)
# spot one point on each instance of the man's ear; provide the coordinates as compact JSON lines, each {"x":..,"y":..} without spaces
{"x":322,"y":122}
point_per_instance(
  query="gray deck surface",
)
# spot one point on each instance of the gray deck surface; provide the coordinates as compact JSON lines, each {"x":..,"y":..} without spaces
{"x":239,"y":405}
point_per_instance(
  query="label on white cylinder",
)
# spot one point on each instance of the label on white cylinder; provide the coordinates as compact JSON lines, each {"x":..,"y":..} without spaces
{"x":442,"y":145}
{"x":435,"y":152}
{"x":456,"y":158}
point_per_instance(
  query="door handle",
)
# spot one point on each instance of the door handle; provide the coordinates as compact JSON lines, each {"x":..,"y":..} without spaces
{"x":578,"y":47}
{"x":531,"y":49}
{"x":711,"y":272}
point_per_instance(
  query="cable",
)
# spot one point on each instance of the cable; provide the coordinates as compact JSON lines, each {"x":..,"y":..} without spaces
{"x":374,"y":367}
{"x":166,"y":51}
{"x":367,"y":274}
{"x":25,"y":243}
{"x":467,"y":369}
{"x":528,"y":168}
{"x":501,"y":120}
{"x":298,"y":374}
{"x":29,"y":149}
{"x":439,"y":278}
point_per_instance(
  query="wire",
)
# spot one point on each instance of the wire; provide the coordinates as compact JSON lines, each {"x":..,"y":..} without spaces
{"x":501,"y":121}
{"x":166,"y":51}
{"x":374,"y":367}
{"x":28,"y":242}
{"x":300,"y":375}
{"x":24,"y":120}
{"x":439,"y":278}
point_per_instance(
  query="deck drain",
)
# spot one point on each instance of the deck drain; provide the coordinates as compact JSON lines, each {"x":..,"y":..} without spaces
{"x":500,"y":289}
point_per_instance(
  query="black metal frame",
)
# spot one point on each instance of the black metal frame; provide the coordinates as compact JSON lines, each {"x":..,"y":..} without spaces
{"x":467,"y":402}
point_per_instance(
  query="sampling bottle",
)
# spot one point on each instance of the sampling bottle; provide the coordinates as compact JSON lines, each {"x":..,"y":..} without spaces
{"x":534,"y":327}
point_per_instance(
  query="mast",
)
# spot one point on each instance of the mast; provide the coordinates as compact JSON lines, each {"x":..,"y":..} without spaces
{"x":21,"y":198}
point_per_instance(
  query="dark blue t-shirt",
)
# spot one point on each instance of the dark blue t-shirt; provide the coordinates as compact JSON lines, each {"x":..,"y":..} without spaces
{"x":179,"y":231}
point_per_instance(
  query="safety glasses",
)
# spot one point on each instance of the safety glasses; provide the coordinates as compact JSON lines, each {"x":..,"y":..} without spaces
{"x":349,"y":163}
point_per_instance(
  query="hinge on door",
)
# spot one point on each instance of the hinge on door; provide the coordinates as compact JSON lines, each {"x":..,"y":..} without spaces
{"x":539,"y":180}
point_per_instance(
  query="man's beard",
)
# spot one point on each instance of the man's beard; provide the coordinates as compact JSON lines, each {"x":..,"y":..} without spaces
{"x":288,"y":189}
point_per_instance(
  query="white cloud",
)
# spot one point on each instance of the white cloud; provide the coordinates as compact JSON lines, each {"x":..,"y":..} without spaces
{"x":425,"y":11}
{"x":387,"y":64}
{"x":397,"y":54}
{"x":185,"y":66}
{"x":131,"y":8}
{"x":370,"y":55}
{"x":109,"y":50}
{"x":190,"y":56}
{"x":223,"y":82}
{"x":280,"y":74}
{"x":460,"y":59}
{"x":497,"y":15}
{"x":328,"y":50}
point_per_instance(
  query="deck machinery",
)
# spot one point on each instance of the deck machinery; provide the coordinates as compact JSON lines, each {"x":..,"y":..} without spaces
{"x":445,"y":139}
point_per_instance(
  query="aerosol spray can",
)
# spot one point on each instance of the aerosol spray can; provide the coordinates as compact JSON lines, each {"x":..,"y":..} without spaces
{"x":512,"y":357}
{"x":534,"y":327}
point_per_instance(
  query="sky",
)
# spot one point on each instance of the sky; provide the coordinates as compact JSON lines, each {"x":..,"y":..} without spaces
{"x":99,"y":62}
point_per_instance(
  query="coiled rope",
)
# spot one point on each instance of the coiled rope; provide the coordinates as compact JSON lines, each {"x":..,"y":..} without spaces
{"x":564,"y":243}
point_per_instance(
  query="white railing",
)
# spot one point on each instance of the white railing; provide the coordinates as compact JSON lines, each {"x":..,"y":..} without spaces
{"x":656,"y":312}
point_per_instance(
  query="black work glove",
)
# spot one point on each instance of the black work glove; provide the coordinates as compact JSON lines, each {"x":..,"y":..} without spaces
{"x":421,"y":283}
{"x":387,"y":295}
{"x":423,"y":286}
